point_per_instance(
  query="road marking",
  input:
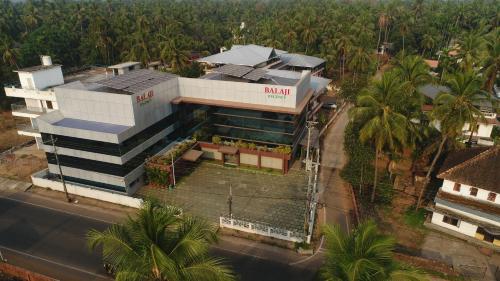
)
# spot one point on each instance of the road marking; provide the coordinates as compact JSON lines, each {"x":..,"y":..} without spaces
{"x":53,"y":262}
{"x":56,"y":210}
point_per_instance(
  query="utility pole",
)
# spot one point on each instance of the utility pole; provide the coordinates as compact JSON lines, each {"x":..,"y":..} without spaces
{"x":1,"y":257}
{"x":230,"y":201}
{"x":173,"y":168}
{"x":59,"y":166}
{"x":310,"y":125}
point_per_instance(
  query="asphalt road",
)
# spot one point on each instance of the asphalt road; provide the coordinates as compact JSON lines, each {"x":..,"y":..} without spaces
{"x":52,"y":242}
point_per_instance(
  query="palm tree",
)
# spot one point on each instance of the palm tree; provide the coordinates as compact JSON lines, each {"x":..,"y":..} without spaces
{"x":363,"y":255}
{"x":309,"y":33}
{"x":428,"y":43}
{"x":159,"y":245}
{"x":469,"y":50}
{"x":414,"y":71}
{"x":9,"y":52}
{"x":360,"y":61}
{"x":453,"y":110}
{"x":491,"y":63}
{"x":384,"y":126}
{"x":343,"y":45}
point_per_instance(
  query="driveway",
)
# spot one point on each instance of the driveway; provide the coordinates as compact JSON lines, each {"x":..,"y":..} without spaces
{"x":332,"y":189}
{"x":464,"y":257}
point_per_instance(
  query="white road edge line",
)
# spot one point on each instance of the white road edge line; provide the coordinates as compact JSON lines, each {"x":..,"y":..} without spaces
{"x":56,"y":210}
{"x":53,"y":262}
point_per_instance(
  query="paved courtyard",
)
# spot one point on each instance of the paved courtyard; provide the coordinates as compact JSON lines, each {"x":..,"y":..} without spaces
{"x":277,"y":200}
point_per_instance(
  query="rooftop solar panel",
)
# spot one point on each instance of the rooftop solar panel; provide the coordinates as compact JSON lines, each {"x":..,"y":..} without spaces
{"x":234,"y":70}
{"x":137,"y":80}
{"x":255,"y":75}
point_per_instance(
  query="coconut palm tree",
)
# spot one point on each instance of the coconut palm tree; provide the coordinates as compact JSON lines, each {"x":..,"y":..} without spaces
{"x":428,"y":43}
{"x":491,"y":63}
{"x":453,"y":110}
{"x":414,"y":71}
{"x":159,"y":244}
{"x":469,"y":50}
{"x":384,"y":126}
{"x":363,"y":255}
{"x":9,"y":51}
{"x":360,"y":61}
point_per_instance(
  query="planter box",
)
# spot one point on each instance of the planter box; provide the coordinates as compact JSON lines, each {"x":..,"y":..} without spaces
{"x":251,"y":157}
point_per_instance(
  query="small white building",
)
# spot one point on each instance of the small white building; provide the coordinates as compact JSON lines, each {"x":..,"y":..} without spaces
{"x":35,"y":88}
{"x":468,"y":202}
{"x":484,"y":128}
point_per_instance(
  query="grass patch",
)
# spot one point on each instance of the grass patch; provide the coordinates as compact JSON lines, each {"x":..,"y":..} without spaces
{"x":414,"y":218}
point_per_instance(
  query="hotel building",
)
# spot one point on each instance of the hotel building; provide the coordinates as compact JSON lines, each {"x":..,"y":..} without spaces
{"x":104,"y":129}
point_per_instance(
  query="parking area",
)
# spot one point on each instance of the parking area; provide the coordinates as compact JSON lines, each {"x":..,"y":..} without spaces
{"x":276,"y":200}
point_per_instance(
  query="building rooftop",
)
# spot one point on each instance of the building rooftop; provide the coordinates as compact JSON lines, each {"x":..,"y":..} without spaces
{"x":299,"y":60}
{"x":91,"y":126}
{"x":136,"y":81}
{"x":431,"y":91}
{"x":87,"y":75}
{"x":476,"y":167}
{"x":124,"y":65}
{"x":432,"y":63}
{"x":37,"y":68}
{"x":247,"y":55}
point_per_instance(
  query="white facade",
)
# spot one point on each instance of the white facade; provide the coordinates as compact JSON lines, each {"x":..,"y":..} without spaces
{"x":464,"y":219}
{"x":482,"y":132}
{"x":465,"y":191}
{"x":249,"y":93}
{"x":39,"y":97}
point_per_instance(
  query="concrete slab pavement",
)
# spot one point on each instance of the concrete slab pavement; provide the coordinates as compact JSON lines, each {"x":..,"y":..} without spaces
{"x":464,"y":257}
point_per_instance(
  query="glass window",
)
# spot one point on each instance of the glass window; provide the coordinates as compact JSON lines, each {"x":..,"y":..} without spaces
{"x":113,"y":149}
{"x":456,"y":187}
{"x":492,"y":196}
{"x":450,"y":220}
{"x":473,"y":191}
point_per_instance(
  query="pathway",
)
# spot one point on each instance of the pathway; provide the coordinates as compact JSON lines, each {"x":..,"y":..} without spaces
{"x":332,"y":189}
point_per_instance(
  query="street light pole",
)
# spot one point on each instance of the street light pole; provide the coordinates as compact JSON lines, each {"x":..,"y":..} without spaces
{"x":230,"y":201}
{"x":310,"y":125}
{"x":59,"y":166}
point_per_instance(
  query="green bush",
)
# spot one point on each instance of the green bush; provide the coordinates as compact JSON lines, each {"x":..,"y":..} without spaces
{"x":157,"y":176}
{"x":216,"y":139}
{"x":359,"y":170}
{"x":414,"y":218}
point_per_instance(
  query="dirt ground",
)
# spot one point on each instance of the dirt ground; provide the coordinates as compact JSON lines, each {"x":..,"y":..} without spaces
{"x":8,"y":131}
{"x":392,"y":222}
{"x":22,"y":163}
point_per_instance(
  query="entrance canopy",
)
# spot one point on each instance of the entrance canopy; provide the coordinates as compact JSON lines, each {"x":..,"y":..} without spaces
{"x":192,"y":155}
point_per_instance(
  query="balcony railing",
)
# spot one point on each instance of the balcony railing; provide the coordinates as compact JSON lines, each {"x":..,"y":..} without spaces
{"x":23,"y":108}
{"x":30,"y":93}
{"x":27,"y":128}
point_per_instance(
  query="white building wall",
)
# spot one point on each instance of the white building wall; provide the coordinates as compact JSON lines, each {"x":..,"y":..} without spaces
{"x":463,"y":227}
{"x":95,"y":106}
{"x":88,"y":175}
{"x":231,"y":91}
{"x":153,"y":109}
{"x":41,"y":79}
{"x":472,"y":216}
{"x":303,"y":86}
{"x":482,"y":194}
